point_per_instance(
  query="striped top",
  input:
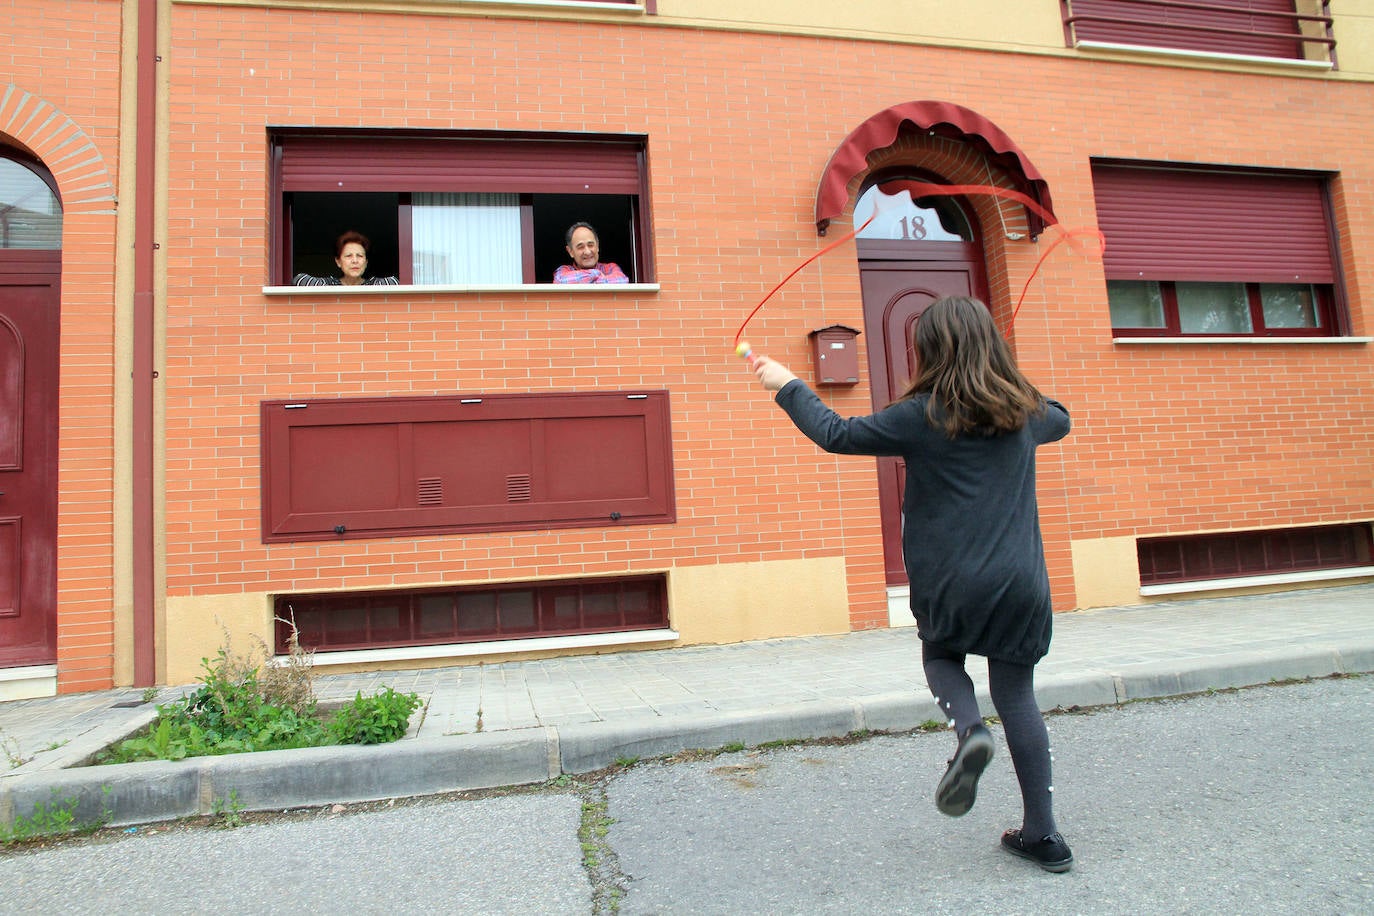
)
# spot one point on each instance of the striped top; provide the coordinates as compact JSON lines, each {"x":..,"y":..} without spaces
{"x":308,"y":280}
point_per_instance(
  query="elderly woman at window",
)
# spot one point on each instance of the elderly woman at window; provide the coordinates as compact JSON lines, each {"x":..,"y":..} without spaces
{"x":350,"y":253}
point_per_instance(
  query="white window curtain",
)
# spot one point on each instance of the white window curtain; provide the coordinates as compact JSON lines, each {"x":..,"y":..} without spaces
{"x":466,"y":238}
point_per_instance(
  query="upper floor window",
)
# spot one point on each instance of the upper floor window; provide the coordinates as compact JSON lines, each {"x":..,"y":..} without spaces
{"x":1197,"y":252}
{"x":456,"y":208}
{"x":1284,"y":29}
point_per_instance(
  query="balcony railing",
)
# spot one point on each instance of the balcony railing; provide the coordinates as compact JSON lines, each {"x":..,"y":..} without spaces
{"x":1276,"y":30}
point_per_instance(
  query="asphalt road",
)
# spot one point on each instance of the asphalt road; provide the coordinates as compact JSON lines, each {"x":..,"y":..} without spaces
{"x":1259,"y":800}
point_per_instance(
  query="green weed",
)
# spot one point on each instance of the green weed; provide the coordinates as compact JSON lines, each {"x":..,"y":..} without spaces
{"x":246,"y":703}
{"x":10,"y":748}
{"x":228,"y":815}
{"x":51,"y":818}
{"x":377,"y":719}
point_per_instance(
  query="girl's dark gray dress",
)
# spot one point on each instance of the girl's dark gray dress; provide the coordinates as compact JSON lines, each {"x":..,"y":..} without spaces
{"x":971,"y":527}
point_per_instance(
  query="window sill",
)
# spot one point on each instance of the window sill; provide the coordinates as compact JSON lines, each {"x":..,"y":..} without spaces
{"x":1282,"y":63}
{"x":569,"y":288}
{"x":1242,"y":340}
{"x":484,"y":649}
{"x":608,"y":6}
{"x":640,"y":8}
{"x":1216,"y":585}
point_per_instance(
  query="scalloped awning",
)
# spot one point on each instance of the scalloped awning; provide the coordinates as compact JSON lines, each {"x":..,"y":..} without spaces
{"x":944,"y":119}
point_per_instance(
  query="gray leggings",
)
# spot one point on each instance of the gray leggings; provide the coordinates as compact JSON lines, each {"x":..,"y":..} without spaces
{"x":1013,"y":694}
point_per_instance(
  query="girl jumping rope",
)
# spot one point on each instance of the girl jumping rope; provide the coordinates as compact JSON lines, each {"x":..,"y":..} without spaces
{"x":967,"y":426}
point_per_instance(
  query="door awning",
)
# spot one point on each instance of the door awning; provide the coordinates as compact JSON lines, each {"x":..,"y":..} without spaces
{"x":943,"y":119}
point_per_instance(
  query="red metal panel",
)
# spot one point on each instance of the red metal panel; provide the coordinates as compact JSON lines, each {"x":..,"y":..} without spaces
{"x":1220,"y":226}
{"x":371,"y":467}
{"x":372,"y":162}
{"x":1255,"y":27}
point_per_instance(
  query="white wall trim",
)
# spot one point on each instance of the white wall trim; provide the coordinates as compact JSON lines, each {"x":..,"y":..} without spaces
{"x":1242,"y":340}
{"x":28,"y":682}
{"x":1186,"y":54}
{"x":899,"y":606}
{"x":1216,"y":585}
{"x":570,"y":289}
{"x":483,"y":649}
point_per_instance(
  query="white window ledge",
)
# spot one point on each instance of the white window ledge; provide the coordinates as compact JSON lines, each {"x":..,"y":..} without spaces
{"x":483,"y":649}
{"x":561,"y":4}
{"x":637,"y":9}
{"x":1216,"y":585}
{"x":1242,"y":340}
{"x":541,"y":288}
{"x":1204,"y":56}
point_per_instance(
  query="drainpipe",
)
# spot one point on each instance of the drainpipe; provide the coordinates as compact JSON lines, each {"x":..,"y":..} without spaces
{"x":145,"y":174}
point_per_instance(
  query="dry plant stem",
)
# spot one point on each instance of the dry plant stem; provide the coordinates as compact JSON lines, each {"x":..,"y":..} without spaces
{"x":290,"y":684}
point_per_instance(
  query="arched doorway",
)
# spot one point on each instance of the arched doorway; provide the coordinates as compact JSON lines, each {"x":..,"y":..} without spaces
{"x":924,"y":245}
{"x":30,"y":273}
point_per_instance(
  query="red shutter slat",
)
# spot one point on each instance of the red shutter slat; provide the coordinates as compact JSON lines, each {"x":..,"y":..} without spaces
{"x":1212,"y":226}
{"x":1155,"y":25}
{"x":371,"y":163}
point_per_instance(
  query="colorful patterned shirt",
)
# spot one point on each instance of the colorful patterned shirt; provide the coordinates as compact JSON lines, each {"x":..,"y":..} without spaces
{"x":605,"y":272}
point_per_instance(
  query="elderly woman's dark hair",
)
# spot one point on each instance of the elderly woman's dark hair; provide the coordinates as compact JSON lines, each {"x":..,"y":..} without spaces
{"x":351,"y":238}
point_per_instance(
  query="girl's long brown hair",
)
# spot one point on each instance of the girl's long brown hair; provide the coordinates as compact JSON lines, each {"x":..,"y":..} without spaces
{"x":965,"y":365}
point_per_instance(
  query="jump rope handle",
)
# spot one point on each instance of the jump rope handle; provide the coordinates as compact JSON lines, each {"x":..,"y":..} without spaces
{"x":744,"y":352}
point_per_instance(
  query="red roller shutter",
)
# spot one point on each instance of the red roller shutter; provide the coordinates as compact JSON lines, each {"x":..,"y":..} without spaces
{"x":1255,"y":27}
{"x":1218,"y":226}
{"x":369,"y":162}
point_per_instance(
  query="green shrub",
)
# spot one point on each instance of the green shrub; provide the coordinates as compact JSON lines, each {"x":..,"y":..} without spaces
{"x":377,"y":719}
{"x":246,"y":704}
{"x":227,"y":714}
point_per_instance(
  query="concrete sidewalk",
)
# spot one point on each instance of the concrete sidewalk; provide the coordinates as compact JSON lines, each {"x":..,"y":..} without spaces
{"x":516,"y":723}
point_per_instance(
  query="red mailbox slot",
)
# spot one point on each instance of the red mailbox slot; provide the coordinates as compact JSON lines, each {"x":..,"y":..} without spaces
{"x":836,"y":355}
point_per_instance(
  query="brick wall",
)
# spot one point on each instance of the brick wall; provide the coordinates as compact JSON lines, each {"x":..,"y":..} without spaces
{"x":1173,"y":438}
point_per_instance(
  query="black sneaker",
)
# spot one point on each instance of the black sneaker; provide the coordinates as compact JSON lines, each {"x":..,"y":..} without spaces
{"x":959,"y":787}
{"x":1051,"y":853}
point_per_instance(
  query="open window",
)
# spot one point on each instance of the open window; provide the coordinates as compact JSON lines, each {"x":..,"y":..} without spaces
{"x":1198,"y":252}
{"x":456,"y":208}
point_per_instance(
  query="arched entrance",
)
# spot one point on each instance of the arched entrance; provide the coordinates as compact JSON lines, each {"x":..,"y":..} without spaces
{"x":30,"y":273}
{"x":922,"y":246}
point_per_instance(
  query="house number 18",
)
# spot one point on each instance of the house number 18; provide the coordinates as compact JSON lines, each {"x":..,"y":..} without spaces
{"x":913,"y":228}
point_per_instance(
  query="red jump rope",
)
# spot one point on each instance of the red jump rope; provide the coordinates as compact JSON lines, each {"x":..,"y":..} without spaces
{"x":742,"y":347}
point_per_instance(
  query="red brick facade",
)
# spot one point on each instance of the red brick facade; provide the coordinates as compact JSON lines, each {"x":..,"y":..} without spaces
{"x":1172,"y":438}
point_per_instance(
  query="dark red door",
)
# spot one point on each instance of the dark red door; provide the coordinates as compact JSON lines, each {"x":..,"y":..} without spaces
{"x":898,"y":283}
{"x":29,"y":308}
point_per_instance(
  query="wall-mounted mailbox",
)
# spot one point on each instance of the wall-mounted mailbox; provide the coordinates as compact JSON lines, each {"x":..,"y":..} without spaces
{"x":835,"y":351}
